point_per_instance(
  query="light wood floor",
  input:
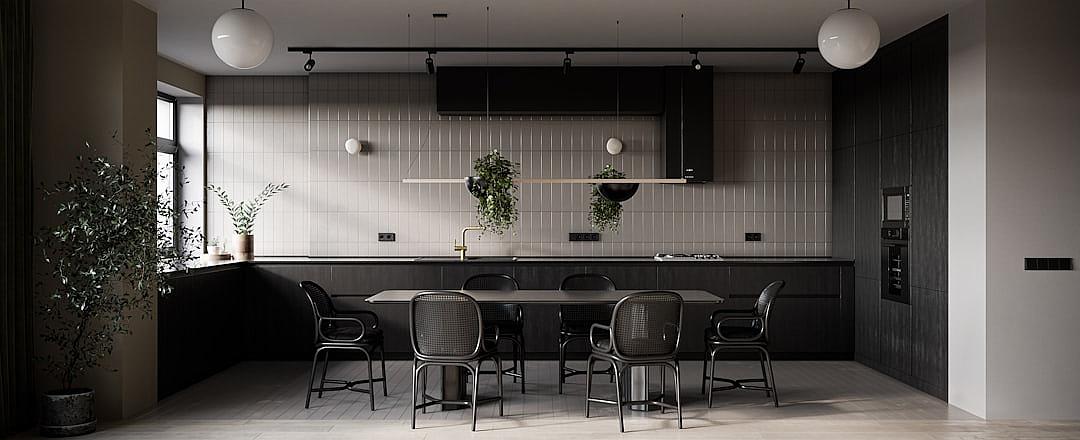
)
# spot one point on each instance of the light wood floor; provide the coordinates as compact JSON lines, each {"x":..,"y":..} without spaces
{"x":819,"y":400}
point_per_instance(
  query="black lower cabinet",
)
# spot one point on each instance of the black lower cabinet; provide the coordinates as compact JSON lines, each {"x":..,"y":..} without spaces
{"x":216,"y":317}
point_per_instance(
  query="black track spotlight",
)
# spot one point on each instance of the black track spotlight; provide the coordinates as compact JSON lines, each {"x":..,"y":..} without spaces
{"x":430,"y":63}
{"x":310,"y":64}
{"x":799,"y":63}
{"x":566,"y":62}
{"x":695,"y":63}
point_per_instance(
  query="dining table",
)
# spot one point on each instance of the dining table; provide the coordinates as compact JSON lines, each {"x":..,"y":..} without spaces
{"x":453,"y":383}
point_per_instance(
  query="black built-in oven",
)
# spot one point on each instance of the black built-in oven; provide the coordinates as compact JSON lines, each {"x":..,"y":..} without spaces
{"x":895,"y":221}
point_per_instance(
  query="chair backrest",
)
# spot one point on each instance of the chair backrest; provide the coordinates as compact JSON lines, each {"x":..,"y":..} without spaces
{"x":321,"y":305}
{"x":586,"y":312}
{"x":647,"y":324}
{"x":445,"y":325}
{"x":766,"y":298}
{"x":587,"y":281}
{"x":494,"y":281}
{"x":490,"y":281}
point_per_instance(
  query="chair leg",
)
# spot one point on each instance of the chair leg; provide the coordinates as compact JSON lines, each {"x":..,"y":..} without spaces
{"x":663,"y":388}
{"x":371,"y":379}
{"x":423,"y":389}
{"x":764,"y":377}
{"x":521,"y":339}
{"x":562,"y":363}
{"x":618,"y":395}
{"x":382,"y":363}
{"x":712,"y":373}
{"x":475,"y":389}
{"x":678,"y":393}
{"x":772,"y":379}
{"x":588,"y":383}
{"x":311,"y":380}
{"x":705,"y":367}
{"x":415,"y":373}
{"x":499,"y":383}
{"x":326,"y":366}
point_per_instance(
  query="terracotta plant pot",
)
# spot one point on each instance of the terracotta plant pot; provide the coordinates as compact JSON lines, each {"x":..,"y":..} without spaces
{"x":245,"y":247}
{"x":67,"y":413}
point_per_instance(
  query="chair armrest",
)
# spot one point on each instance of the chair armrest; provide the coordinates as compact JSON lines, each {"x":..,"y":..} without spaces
{"x":374,"y":318}
{"x":749,"y":319}
{"x":592,"y":340}
{"x":363,"y":329}
{"x":717,"y":314}
{"x":490,"y":330}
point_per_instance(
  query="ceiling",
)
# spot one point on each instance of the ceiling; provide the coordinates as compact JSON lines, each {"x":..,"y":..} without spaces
{"x":184,"y":30}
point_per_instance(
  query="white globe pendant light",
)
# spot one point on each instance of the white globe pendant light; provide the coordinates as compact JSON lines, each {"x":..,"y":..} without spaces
{"x":242,"y":38}
{"x":849,"y":38}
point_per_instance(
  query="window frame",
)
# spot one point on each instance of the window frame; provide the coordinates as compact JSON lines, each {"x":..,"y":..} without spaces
{"x":172,"y":148}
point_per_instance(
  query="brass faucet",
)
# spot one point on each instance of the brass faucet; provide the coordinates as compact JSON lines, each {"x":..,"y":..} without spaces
{"x":462,"y":247}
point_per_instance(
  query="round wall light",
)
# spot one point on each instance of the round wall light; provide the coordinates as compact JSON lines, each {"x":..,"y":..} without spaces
{"x":353,"y":146}
{"x":849,"y":38}
{"x":614,"y":146}
{"x":242,"y":38}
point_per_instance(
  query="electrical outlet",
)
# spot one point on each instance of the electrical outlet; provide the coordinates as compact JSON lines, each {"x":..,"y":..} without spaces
{"x":753,"y":236}
{"x":584,"y":236}
{"x":387,"y":236}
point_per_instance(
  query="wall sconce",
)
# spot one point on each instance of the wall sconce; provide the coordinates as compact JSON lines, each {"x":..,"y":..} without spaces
{"x":353,"y":146}
{"x":614,"y":146}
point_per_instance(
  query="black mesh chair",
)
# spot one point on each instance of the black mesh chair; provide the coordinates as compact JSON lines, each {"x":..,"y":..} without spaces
{"x":742,"y":330}
{"x":342,"y":330}
{"x":644,"y":331}
{"x":508,"y":318}
{"x":447,"y":329}
{"x":576,"y":319}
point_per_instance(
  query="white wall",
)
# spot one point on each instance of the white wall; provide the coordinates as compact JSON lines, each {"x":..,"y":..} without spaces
{"x":1014,"y":156}
{"x":1033,"y":204}
{"x":967,"y":208}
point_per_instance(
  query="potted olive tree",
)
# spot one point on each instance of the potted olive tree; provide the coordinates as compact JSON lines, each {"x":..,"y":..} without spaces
{"x":106,"y":261}
{"x":243,"y":215}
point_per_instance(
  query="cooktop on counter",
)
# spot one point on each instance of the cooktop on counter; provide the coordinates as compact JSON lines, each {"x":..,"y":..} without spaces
{"x":688,"y":257}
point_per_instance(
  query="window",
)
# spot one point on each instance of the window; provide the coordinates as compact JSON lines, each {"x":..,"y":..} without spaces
{"x":167,"y":149}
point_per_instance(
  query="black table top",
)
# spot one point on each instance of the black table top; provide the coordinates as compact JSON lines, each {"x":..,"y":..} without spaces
{"x":545,"y":296}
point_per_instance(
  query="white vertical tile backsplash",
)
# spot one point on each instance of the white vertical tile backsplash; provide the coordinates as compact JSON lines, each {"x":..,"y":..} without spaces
{"x":772,"y":151}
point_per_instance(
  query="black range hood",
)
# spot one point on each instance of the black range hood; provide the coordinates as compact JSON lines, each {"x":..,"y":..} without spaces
{"x":681,"y":95}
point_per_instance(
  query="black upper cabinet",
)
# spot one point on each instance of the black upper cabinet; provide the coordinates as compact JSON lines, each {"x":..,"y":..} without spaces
{"x":688,"y":123}
{"x":548,"y":90}
{"x":868,"y":102}
{"x":930,"y":75}
{"x":895,"y":89}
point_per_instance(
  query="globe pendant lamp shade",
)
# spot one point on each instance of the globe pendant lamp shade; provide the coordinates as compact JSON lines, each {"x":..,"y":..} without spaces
{"x":242,"y":38}
{"x":849,"y":38}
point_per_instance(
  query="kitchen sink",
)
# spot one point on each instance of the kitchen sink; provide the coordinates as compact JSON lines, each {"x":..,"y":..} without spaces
{"x":477,"y":259}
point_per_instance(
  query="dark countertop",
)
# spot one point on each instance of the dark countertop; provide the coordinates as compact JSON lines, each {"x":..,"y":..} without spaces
{"x":202,"y":265}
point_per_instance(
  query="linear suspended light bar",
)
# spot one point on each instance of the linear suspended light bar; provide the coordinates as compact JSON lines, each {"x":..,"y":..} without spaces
{"x":461,"y":180}
{"x":529,"y":49}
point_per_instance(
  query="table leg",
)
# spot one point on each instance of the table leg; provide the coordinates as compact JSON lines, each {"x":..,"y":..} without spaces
{"x":639,"y":388}
{"x":453,"y":386}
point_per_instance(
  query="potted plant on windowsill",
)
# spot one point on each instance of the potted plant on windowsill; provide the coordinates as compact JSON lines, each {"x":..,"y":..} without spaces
{"x":106,"y":259}
{"x":492,"y":184}
{"x":243,"y":215}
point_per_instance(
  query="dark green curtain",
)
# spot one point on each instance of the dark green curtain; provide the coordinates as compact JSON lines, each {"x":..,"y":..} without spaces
{"x":16,"y":192}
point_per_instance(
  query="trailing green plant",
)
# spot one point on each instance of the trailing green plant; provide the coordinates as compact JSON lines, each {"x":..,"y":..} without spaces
{"x":496,"y":194}
{"x":604,"y":214}
{"x":106,"y":259}
{"x":243,"y":213}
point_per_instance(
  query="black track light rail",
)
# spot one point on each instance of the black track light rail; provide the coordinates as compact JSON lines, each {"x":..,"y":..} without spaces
{"x":550,"y":49}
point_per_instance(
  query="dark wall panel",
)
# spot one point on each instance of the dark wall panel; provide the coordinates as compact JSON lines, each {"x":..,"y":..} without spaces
{"x":930,"y":209}
{"x":900,"y":108}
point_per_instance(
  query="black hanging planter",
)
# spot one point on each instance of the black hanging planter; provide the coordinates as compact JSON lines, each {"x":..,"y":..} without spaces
{"x":617,"y":192}
{"x":475,"y":185}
